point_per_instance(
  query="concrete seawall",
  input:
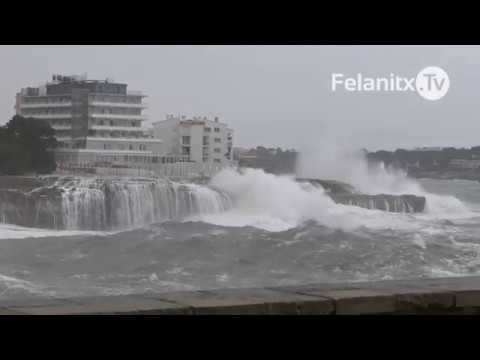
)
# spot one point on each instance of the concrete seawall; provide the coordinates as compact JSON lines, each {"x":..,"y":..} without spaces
{"x":423,"y":296}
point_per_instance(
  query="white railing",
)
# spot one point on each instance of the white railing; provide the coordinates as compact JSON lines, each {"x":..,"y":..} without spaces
{"x":176,"y":171}
{"x":118,"y":128}
{"x":109,"y":171}
{"x":124,"y":139}
{"x":118,"y":116}
{"x":134,"y":92}
{"x":187,"y":170}
{"x":49,"y":116}
{"x":118,"y":104}
{"x":45,"y":105}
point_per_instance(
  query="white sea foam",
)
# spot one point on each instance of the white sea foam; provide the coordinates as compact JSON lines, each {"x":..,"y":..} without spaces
{"x":8,"y":231}
{"x":252,"y":197}
{"x":9,"y":285}
{"x":278,"y":203}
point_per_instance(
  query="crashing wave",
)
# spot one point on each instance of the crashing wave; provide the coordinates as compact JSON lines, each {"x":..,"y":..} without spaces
{"x":104,"y":204}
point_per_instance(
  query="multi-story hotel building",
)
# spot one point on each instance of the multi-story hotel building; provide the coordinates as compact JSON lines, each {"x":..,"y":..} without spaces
{"x":96,"y":122}
{"x":199,"y":140}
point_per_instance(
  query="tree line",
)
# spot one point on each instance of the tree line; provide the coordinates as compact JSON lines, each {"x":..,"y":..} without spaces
{"x":25,"y":147}
{"x":271,"y":160}
{"x":424,"y":159}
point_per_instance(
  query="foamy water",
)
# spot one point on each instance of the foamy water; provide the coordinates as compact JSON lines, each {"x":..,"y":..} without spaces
{"x":275,"y":231}
{"x":278,"y":203}
{"x":8,"y":231}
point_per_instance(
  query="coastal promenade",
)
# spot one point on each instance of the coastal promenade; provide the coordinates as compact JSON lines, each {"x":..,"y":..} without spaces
{"x":423,"y":296}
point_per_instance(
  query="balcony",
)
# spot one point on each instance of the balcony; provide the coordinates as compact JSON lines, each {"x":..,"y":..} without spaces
{"x":124,"y":139}
{"x":118,"y":128}
{"x":49,"y":116}
{"x":63,"y":138}
{"x":118,"y":116}
{"x":46,"y":105}
{"x":61,"y":127}
{"x":136,"y":93}
{"x":118,"y":104}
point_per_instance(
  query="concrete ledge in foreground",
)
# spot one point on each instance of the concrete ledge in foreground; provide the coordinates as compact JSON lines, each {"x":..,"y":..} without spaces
{"x":423,"y":296}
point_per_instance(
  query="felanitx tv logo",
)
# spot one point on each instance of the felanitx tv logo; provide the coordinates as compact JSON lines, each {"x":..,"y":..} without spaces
{"x":431,"y":83}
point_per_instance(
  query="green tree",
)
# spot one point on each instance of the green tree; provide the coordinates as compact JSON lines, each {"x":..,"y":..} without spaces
{"x":25,"y":146}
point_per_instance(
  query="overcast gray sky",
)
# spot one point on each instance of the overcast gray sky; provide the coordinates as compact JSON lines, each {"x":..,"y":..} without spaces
{"x":275,"y":95}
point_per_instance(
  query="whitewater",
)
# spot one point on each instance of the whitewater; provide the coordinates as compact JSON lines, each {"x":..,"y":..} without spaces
{"x":243,"y":228}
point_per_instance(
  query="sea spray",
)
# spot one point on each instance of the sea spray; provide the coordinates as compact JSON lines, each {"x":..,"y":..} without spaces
{"x":343,"y":163}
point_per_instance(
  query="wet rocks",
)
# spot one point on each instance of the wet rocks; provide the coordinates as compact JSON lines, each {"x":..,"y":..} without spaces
{"x":343,"y":193}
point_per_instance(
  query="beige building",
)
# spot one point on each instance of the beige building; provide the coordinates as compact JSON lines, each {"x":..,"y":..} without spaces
{"x":198,"y":139}
{"x":95,"y":121}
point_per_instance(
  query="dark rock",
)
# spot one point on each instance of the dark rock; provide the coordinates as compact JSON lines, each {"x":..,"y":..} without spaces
{"x":346,"y":194}
{"x":391,"y":203}
{"x":331,"y":186}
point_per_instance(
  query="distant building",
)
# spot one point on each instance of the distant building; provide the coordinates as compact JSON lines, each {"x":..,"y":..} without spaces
{"x":96,"y":121}
{"x":464,"y":164}
{"x":238,"y":152}
{"x":429,"y":148}
{"x":198,"y":139}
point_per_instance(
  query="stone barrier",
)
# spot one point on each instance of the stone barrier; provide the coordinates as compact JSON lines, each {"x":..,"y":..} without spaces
{"x":420,"y":296}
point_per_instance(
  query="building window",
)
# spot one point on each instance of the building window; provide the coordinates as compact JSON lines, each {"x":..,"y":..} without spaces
{"x":217,"y":129}
{"x":217,"y":160}
{"x":185,"y":150}
{"x":186,"y":140}
{"x":207,"y":129}
{"x":217,"y":150}
{"x":130,"y":147}
{"x":217,"y":140}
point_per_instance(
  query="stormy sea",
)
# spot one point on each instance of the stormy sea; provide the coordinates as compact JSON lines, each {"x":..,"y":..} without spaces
{"x":240,"y":229}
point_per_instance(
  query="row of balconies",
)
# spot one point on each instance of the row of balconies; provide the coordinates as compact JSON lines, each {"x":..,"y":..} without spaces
{"x":117,"y":116}
{"x":46,"y":105}
{"x":117,"y":133}
{"x":61,"y":127}
{"x":49,"y":116}
{"x":118,"y":104}
{"x":118,"y":128}
{"x":121,"y":138}
{"x":96,"y":103}
{"x":94,"y":115}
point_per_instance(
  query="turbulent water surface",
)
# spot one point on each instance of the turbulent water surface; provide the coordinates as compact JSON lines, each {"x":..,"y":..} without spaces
{"x":241,"y":230}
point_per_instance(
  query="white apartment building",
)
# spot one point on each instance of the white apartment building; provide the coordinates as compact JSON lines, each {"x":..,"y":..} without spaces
{"x":198,"y":139}
{"x":97,"y":122}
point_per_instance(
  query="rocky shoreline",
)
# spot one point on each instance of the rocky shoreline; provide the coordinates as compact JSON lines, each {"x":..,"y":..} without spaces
{"x":346,"y":194}
{"x":100,"y":203}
